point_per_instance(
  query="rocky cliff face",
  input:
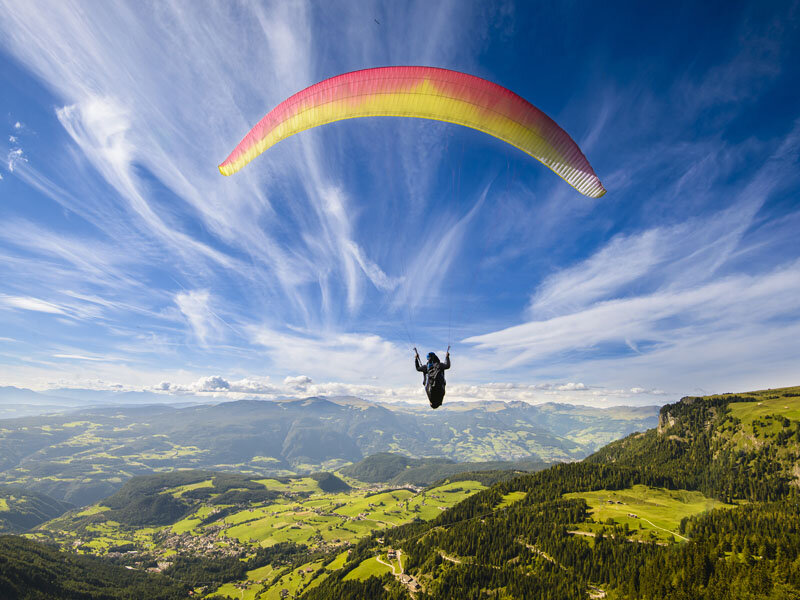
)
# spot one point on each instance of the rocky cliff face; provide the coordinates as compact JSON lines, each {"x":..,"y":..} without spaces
{"x":665,"y":421}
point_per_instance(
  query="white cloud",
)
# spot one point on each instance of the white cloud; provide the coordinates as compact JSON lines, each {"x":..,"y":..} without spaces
{"x":254,"y":385}
{"x":14,"y":158}
{"x":677,"y":257}
{"x":425,"y":276}
{"x":212,"y":384}
{"x":32,"y":304}
{"x":335,"y":355}
{"x":704,"y":334}
{"x":664,"y":316}
{"x":84,"y":357}
{"x":571,"y":387}
{"x":101,"y":127}
{"x":299,"y":381}
{"x":196,"y":307}
{"x":96,"y":261}
{"x":221,"y":387}
{"x":622,"y":261}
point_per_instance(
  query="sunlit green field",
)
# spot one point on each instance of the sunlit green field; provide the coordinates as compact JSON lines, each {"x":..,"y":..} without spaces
{"x":188,"y":524}
{"x":179,"y":491}
{"x":775,"y":413}
{"x":369,"y":568}
{"x":240,"y":589}
{"x":511,"y":498}
{"x":345,"y":516}
{"x":784,"y":406}
{"x":249,"y":589}
{"x":299,"y":484}
{"x":260,"y":574}
{"x":656,"y":510}
{"x":92,"y":510}
{"x":338,"y":562}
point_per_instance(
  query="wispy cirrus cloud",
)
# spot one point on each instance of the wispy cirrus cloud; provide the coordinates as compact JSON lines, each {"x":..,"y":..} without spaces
{"x":96,"y":261}
{"x":88,"y":358}
{"x":341,"y":356}
{"x":659,"y":318}
{"x":196,"y":306}
{"x":32,"y":304}
{"x":428,"y":272}
{"x":666,"y":291}
{"x":130,"y":121}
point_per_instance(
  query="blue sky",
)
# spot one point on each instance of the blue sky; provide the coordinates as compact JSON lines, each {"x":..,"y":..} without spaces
{"x":128,"y":262}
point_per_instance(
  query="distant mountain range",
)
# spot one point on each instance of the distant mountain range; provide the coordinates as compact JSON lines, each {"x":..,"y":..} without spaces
{"x":82,"y":455}
{"x":22,"y":402}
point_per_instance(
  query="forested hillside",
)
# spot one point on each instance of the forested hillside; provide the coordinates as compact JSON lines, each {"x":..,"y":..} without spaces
{"x":31,"y":570}
{"x":730,"y":446}
{"x":21,"y":510}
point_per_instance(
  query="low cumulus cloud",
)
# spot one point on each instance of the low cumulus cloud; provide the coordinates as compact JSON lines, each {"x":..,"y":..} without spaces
{"x":298,"y":382}
{"x":220,"y":386}
{"x":302,"y":386}
{"x":571,"y":387}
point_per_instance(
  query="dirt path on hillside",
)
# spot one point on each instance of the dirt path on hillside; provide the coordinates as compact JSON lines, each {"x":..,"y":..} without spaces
{"x":450,"y":558}
{"x":662,"y":529}
{"x":378,"y":558}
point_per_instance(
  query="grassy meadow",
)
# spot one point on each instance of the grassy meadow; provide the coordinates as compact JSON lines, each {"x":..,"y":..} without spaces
{"x":649,"y":513}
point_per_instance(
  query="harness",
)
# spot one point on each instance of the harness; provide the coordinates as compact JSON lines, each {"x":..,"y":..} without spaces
{"x":434,"y":376}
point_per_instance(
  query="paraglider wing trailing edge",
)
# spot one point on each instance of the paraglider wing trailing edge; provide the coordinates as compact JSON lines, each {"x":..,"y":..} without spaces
{"x":426,"y":93}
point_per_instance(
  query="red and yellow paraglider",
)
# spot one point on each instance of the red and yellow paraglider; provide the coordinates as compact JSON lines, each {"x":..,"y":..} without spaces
{"x":426,"y":93}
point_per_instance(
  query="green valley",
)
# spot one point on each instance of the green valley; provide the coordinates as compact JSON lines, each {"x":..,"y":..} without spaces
{"x":703,"y":506}
{"x":153,"y":523}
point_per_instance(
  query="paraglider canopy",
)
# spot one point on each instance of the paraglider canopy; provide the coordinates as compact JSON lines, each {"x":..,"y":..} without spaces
{"x":427,"y":93}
